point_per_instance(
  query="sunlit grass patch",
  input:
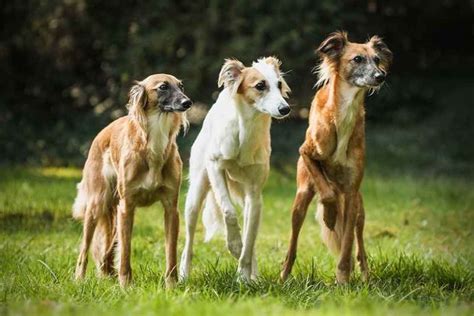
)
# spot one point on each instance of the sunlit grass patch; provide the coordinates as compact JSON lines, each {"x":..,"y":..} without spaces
{"x":418,"y":233}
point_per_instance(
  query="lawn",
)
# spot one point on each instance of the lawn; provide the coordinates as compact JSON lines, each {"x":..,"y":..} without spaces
{"x":419,"y":238}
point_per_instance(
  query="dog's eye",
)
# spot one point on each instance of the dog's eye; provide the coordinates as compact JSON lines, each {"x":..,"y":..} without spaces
{"x":163,"y":86}
{"x":260,"y":86}
{"x":279,"y":85}
{"x":358,"y":59}
{"x":376,"y":60}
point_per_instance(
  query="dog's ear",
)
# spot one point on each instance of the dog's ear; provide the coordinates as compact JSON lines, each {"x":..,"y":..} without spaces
{"x":333,"y":46}
{"x":386,"y":56}
{"x":230,"y":75}
{"x":137,"y":100}
{"x":276,"y":63}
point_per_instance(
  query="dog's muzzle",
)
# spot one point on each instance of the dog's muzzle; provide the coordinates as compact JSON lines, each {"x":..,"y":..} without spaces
{"x":284,"y":109}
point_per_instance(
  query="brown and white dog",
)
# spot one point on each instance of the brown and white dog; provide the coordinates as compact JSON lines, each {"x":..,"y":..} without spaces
{"x":133,"y":162}
{"x":332,"y":156}
{"x":230,"y":159}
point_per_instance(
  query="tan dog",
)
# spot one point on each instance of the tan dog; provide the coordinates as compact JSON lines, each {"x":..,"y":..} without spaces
{"x":332,"y":156}
{"x":133,"y":162}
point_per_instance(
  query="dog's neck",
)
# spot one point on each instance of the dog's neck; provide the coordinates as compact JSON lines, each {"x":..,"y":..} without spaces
{"x":254,"y":133}
{"x":345,"y":101}
{"x":161,"y":130}
{"x":344,"y":98}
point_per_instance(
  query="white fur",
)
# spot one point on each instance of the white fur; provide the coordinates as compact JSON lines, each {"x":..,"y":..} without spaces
{"x":324,"y":73}
{"x":230,"y":161}
{"x":273,"y":99}
{"x":345,"y":120}
{"x":331,"y":238}
{"x":80,"y":203}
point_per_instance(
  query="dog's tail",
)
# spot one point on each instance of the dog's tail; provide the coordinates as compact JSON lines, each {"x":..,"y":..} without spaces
{"x":80,"y":203}
{"x":212,"y":217}
{"x":331,"y":238}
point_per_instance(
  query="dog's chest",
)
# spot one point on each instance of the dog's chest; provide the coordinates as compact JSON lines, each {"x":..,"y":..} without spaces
{"x":151,"y":180}
{"x":345,"y":121}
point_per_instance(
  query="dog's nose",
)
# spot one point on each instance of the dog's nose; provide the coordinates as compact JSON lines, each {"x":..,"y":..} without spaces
{"x":284,"y":109}
{"x":186,"y":103}
{"x":380,"y":77}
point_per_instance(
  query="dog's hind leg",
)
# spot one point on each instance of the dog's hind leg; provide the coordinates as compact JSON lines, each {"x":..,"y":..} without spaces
{"x":345,"y":264}
{"x":359,"y":231}
{"x":304,"y":195}
{"x":104,"y":243}
{"x":198,"y":188}
{"x":87,"y":235}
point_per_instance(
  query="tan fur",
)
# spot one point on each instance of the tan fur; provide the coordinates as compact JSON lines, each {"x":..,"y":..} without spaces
{"x":332,"y":157}
{"x":132,"y":162}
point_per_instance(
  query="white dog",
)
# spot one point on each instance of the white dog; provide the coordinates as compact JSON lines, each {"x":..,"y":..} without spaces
{"x":230,"y":158}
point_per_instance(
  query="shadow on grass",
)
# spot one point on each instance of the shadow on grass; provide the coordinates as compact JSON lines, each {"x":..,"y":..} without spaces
{"x":396,"y":279}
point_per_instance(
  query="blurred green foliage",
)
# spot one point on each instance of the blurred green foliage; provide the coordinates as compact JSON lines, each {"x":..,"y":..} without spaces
{"x":67,"y":65}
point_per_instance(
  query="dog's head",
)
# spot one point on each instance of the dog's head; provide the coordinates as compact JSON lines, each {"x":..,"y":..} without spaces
{"x":261,"y":86}
{"x":359,"y":64}
{"x":159,"y":93}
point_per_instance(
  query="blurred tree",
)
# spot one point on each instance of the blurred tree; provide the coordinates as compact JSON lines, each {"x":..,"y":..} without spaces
{"x":67,"y":65}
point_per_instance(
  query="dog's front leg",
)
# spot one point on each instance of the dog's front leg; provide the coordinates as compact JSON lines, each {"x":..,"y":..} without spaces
{"x":170,"y":205}
{"x":247,"y":210}
{"x":125,"y":216}
{"x":325,"y":191}
{"x":221,"y":193}
{"x":253,"y":205}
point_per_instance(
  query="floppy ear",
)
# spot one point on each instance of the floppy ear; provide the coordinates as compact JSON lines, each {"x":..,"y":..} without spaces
{"x":381,"y":48}
{"x":276,"y":63}
{"x":136,"y":104}
{"x":333,"y":46}
{"x":230,"y":75}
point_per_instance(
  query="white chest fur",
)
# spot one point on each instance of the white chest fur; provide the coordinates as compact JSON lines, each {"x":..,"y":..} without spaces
{"x":345,"y":121}
{"x":159,"y":129}
{"x":159,"y":137}
{"x":254,"y":139}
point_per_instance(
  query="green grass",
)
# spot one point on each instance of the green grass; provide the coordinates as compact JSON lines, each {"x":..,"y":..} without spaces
{"x":419,"y":235}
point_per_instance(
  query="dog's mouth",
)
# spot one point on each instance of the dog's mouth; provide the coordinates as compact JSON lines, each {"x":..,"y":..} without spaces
{"x":275,"y":116}
{"x":367,"y":83}
{"x":280,"y":116}
{"x":170,"y":108}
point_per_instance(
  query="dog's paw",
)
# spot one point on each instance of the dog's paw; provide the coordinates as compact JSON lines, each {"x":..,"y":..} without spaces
{"x":170,"y":282}
{"x":184,"y":268}
{"x":235,"y":247}
{"x":125,"y":279}
{"x":342,"y":276}
{"x":365,"y":275}
{"x":243,"y":275}
{"x":79,"y":273}
{"x":327,"y":195}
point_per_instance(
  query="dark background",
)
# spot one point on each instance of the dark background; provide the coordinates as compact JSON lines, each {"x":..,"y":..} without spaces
{"x":67,"y":66}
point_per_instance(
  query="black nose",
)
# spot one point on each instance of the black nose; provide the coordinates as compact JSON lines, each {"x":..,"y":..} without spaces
{"x":380,"y":77}
{"x":186,"y":103}
{"x":284,"y":109}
